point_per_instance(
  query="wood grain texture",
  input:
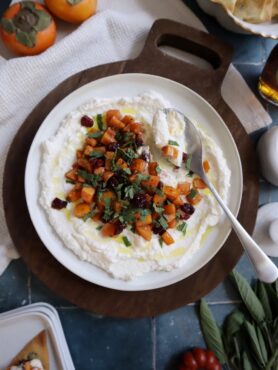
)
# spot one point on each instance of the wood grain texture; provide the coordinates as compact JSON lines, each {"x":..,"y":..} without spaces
{"x":152,"y":61}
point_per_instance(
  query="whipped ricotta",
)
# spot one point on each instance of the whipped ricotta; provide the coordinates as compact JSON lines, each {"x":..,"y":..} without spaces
{"x":111,"y":254}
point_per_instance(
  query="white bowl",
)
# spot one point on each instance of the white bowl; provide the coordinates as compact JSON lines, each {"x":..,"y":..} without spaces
{"x":232,"y":23}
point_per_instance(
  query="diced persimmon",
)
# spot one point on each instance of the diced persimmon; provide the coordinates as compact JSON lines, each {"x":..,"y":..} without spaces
{"x":149,"y":197}
{"x":138,"y":165}
{"x":71,"y":175}
{"x":112,"y":113}
{"x":105,"y":195}
{"x":120,"y":162}
{"x":159,"y":199}
{"x":153,"y":181}
{"x":109,"y":155}
{"x":99,"y":171}
{"x":145,"y":231}
{"x":74,"y":194}
{"x":147,"y":220}
{"x":170,"y":209}
{"x":83,"y":163}
{"x":172,"y":224}
{"x":135,"y":127}
{"x":108,"y":137}
{"x":106,"y":175}
{"x":178,"y":201}
{"x":170,"y":152}
{"x":195,"y":199}
{"x":87,"y":194}
{"x":100,"y":149}
{"x":108,"y":229}
{"x":167,"y":238}
{"x":97,"y":217}
{"x":91,"y":141}
{"x":88,"y":149}
{"x":79,"y":154}
{"x":127,"y":119}
{"x":170,"y":192}
{"x":108,"y":164}
{"x":81,"y":209}
{"x":117,"y":207}
{"x":116,"y":123}
{"x":199,"y":183}
{"x":152,"y":168}
{"x":206,"y":166}
{"x":184,"y":188}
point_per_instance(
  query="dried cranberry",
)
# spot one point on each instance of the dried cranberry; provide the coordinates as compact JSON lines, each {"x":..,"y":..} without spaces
{"x":86,"y":121}
{"x":160,"y":185}
{"x":59,"y":203}
{"x":113,"y":181}
{"x":139,"y":141}
{"x":112,"y":147}
{"x":188,"y":208}
{"x":158,"y":229}
{"x":140,"y":201}
{"x":96,"y":162}
{"x":184,"y":157}
{"x":184,"y":216}
{"x":119,"y":227}
{"x":145,"y":156}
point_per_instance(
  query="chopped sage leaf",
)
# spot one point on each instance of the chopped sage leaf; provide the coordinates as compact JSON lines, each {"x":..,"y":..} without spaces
{"x":182,"y":227}
{"x":100,"y":123}
{"x":126,"y":241}
{"x":160,"y":242}
{"x":96,"y":154}
{"x":172,"y":142}
{"x":95,"y":135}
{"x":90,"y":178}
{"x":163,"y":222}
{"x":192,"y":194}
{"x":188,"y":162}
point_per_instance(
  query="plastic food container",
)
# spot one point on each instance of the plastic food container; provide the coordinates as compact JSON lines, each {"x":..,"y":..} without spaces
{"x":19,"y":326}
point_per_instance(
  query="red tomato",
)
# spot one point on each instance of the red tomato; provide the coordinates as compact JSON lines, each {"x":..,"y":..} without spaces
{"x":214,"y":366}
{"x":200,"y":356}
{"x":189,"y":361}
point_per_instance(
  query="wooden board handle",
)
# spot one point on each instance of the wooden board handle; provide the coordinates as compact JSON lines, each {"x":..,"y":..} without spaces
{"x":199,"y":43}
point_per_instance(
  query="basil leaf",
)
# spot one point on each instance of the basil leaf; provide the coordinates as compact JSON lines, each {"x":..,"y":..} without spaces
{"x":95,"y":135}
{"x":249,"y":298}
{"x":254,"y":343}
{"x":126,"y":241}
{"x":263,"y":297}
{"x":172,"y":142}
{"x":211,"y":332}
{"x":182,"y":227}
{"x":8,"y":25}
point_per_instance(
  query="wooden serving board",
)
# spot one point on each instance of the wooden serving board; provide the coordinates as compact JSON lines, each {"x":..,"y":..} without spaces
{"x":151,"y":61}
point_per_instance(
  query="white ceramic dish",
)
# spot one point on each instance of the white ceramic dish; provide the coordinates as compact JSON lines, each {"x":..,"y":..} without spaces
{"x":19,"y":326}
{"x":181,"y":98}
{"x":232,"y":23}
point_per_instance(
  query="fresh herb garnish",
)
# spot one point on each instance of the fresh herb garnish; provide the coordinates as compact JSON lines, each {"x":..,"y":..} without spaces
{"x":100,"y":123}
{"x":127,"y":171}
{"x":158,"y":169}
{"x":89,"y":215}
{"x":108,"y":212}
{"x":182,"y":227}
{"x":188,"y":162}
{"x":192,"y":194}
{"x":158,"y":209}
{"x":95,"y":135}
{"x":70,"y":181}
{"x":163,"y":222}
{"x":99,"y":227}
{"x":160,"y":242}
{"x":172,"y":142}
{"x":126,"y":241}
{"x":90,"y":178}
{"x":96,"y":154}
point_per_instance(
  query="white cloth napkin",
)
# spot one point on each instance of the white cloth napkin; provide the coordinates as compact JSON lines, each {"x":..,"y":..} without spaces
{"x":116,"y":32}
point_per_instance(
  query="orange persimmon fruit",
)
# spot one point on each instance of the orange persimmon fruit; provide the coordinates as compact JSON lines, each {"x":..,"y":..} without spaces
{"x":72,"y":11}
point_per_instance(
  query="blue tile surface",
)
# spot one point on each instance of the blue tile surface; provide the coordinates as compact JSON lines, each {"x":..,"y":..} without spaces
{"x":100,"y":343}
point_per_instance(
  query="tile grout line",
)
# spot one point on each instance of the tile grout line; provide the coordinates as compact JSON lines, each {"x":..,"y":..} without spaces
{"x":153,"y":343}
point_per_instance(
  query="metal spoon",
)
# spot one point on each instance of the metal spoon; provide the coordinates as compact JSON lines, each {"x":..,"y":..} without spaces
{"x":266,"y":270}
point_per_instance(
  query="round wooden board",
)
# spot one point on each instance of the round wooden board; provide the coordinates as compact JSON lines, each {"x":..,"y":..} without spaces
{"x":146,"y":303}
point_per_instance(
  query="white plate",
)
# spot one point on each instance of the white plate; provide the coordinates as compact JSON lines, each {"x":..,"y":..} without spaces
{"x":180,"y":97}
{"x":19,"y":326}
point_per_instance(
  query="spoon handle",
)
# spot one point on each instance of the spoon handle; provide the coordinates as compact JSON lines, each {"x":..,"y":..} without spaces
{"x":266,"y":270}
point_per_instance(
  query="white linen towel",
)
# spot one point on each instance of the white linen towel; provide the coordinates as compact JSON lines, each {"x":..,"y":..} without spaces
{"x":116,"y":32}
